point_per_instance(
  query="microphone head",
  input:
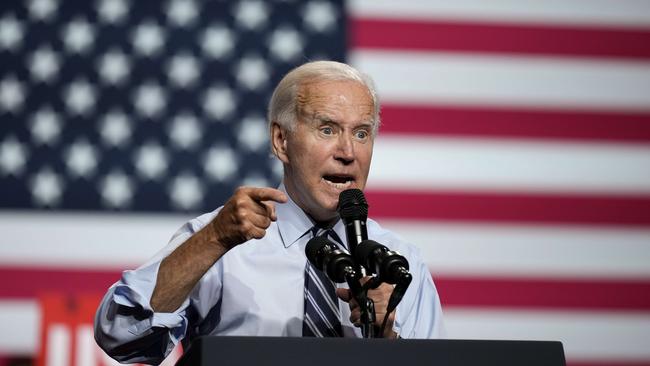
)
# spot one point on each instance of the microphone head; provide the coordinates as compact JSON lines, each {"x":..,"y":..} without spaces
{"x":314,"y":250}
{"x":363,"y":253}
{"x":353,"y":205}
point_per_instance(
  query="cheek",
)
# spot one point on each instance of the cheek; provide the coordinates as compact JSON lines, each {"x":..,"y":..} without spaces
{"x":366,"y":157}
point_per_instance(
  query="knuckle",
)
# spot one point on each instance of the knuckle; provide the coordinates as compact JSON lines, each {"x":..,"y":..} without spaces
{"x":258,"y":234}
{"x":239,"y":201}
{"x":246,"y":228}
{"x":241,"y":214}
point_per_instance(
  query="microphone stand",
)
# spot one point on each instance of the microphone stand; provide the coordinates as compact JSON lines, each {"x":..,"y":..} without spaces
{"x":366,"y":305}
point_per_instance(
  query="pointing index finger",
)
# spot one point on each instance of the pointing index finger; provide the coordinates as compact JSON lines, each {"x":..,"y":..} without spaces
{"x":267,"y":194}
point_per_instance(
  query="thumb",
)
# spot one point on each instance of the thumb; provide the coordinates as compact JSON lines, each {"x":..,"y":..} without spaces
{"x":344,"y":294}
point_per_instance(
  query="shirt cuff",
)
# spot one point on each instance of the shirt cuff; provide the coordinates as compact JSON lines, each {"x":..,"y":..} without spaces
{"x":135,"y":290}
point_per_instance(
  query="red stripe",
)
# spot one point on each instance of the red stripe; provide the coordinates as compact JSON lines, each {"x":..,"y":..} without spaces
{"x":510,"y":122}
{"x":454,"y":291}
{"x":511,"y":207}
{"x":31,"y":282}
{"x":460,"y":36}
{"x":589,"y":294}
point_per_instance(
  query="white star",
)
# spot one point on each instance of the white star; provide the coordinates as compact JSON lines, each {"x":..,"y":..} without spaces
{"x":78,"y":36}
{"x":219,"y":102}
{"x":151,"y":161}
{"x":116,"y":189}
{"x":12,"y":94}
{"x":81,"y":158}
{"x":218,"y":41}
{"x":11,"y":32}
{"x":80,"y":97}
{"x":186,"y":191}
{"x":252,"y":72}
{"x":286,"y":44}
{"x":114,"y":66}
{"x":185,"y":131}
{"x":253,"y":133}
{"x":112,"y":11}
{"x":182,"y":12}
{"x":220,"y":163}
{"x":251,"y":14}
{"x":13,"y":156}
{"x":44,"y":64}
{"x":42,"y":9}
{"x":47,"y":188}
{"x":255,"y":180}
{"x":115,"y":129}
{"x":148,"y":38}
{"x":46,"y":126}
{"x":319,"y":16}
{"x":150,"y":99}
{"x":183,"y":70}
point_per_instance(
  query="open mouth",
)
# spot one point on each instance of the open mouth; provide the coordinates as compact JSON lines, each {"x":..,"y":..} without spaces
{"x":339,"y":180}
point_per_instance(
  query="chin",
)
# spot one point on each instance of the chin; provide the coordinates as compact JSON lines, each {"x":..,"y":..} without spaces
{"x":326,"y":208}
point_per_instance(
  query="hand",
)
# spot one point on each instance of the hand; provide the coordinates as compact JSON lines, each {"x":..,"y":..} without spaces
{"x":380,"y":297}
{"x":246,"y":215}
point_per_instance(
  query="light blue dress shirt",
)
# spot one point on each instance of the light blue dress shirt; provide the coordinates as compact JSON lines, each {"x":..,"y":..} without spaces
{"x":255,"y":289}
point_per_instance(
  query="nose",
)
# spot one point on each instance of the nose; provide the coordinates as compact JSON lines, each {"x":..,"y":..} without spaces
{"x":345,"y":149}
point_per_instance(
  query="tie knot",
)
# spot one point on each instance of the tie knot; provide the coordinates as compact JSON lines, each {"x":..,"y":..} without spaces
{"x":327,"y":233}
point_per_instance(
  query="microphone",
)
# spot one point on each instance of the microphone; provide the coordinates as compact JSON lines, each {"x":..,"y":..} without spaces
{"x":388,"y":265}
{"x":353,"y":210}
{"x":326,"y":256}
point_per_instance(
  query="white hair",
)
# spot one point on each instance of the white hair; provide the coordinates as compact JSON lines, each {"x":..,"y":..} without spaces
{"x":283,"y":107}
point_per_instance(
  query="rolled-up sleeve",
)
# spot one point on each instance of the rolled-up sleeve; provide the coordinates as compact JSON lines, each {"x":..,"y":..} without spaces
{"x":126,"y":326}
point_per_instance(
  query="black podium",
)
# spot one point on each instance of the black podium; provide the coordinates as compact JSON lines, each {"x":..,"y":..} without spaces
{"x":281,"y":351}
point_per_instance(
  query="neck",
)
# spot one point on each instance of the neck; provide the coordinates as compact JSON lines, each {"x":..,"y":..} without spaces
{"x":324,"y":224}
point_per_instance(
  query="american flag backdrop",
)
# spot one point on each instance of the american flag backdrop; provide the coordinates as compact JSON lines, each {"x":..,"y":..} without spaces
{"x":514,"y":148}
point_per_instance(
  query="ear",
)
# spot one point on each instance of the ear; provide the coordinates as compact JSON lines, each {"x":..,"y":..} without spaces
{"x":279,"y":142}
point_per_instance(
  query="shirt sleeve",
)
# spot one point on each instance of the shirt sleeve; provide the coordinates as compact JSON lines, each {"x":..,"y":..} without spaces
{"x":419,"y":314}
{"x":126,"y":326}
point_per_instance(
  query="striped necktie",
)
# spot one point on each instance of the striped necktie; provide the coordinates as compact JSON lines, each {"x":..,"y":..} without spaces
{"x":322,"y":315}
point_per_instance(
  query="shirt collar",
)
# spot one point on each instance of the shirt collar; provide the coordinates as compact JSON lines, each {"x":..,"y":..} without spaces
{"x":293,"y":223}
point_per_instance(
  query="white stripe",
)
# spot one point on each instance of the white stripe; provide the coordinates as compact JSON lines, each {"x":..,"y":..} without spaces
{"x":572,"y":12}
{"x":597,"y":336}
{"x":321,"y":288}
{"x":83,"y":240}
{"x":431,"y":163}
{"x":86,"y":346}
{"x":20,"y":323}
{"x":586,"y":336}
{"x":312,"y":326}
{"x":519,"y":251}
{"x":459,"y":248}
{"x":422,"y":77}
{"x":59,"y":341}
{"x":321,"y":315}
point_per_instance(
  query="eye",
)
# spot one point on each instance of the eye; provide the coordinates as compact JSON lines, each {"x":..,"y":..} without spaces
{"x":327,"y":130}
{"x":361,"y":134}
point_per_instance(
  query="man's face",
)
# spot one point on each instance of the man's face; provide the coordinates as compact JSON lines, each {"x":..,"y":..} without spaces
{"x":330,"y":149}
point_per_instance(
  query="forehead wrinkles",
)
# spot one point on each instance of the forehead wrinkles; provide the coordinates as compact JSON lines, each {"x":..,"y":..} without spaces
{"x":310,"y":101}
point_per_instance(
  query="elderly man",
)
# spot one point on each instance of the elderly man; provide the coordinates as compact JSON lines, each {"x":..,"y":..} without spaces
{"x":242,"y":270}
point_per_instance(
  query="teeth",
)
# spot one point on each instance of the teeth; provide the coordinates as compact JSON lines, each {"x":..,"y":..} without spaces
{"x":339,"y":185}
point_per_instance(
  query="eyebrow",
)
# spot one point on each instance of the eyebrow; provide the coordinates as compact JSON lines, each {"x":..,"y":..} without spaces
{"x":326,"y":119}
